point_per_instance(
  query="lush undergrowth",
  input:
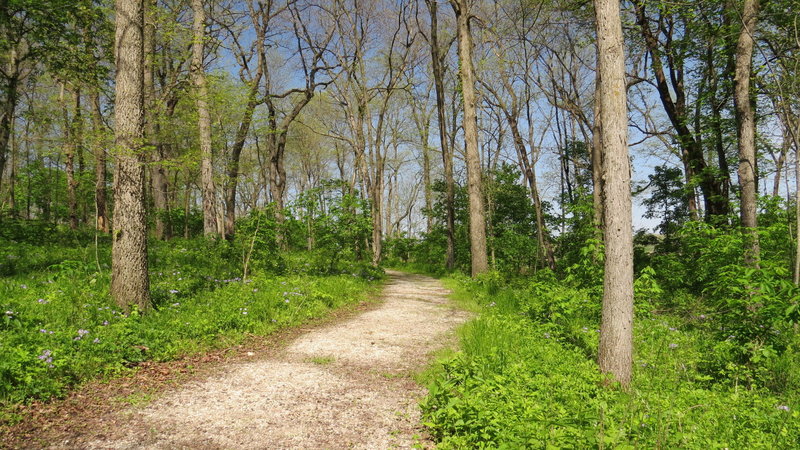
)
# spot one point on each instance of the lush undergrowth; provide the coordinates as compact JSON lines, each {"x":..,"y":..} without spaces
{"x":526,"y":377}
{"x":59,"y":326}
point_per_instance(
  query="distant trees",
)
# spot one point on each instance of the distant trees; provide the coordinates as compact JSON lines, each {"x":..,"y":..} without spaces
{"x":249,"y":104}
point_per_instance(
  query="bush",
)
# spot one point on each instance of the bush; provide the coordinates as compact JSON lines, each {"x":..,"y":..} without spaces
{"x":526,"y":378}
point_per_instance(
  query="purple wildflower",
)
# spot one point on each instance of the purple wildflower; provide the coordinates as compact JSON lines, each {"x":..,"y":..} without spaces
{"x":673,"y":346}
{"x":42,"y":301}
{"x":47,"y":357}
{"x":784,"y":407}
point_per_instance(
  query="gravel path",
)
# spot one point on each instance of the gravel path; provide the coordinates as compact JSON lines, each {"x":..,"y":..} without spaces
{"x":347,"y":385}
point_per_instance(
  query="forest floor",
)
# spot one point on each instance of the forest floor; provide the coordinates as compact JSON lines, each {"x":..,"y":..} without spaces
{"x":347,"y":382}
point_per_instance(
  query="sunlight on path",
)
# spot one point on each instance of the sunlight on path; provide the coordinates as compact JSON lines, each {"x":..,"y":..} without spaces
{"x":346,"y":385}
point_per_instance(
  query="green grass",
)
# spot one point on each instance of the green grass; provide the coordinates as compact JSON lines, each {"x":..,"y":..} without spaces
{"x":526,"y":378}
{"x":59,"y":326}
{"x":322,"y":360}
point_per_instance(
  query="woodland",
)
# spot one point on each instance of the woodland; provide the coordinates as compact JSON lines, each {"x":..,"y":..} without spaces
{"x":610,"y":186}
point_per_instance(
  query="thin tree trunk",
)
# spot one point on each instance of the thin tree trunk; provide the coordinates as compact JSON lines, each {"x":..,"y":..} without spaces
{"x":236,"y":153}
{"x":130,"y":284}
{"x":12,"y":175}
{"x":597,"y":159}
{"x":100,"y":176}
{"x":477,"y":221}
{"x":69,"y":156}
{"x":797,"y":206}
{"x":7,"y":115}
{"x":204,"y":120}
{"x":158,"y":175}
{"x":615,"y":354}
{"x":447,"y":155}
{"x":745,"y":119}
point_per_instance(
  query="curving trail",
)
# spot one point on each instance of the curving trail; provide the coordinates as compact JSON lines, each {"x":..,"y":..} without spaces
{"x":347,"y":385}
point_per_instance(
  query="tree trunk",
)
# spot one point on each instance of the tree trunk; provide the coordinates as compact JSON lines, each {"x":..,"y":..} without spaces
{"x":797,"y":206}
{"x":615,"y":355}
{"x":746,"y":127}
{"x":673,"y":99}
{"x":130,"y":284}
{"x":101,"y":217}
{"x":12,"y":174}
{"x":236,"y":153}
{"x":447,"y":155}
{"x":597,"y":159}
{"x":69,"y":157}
{"x":529,"y":173}
{"x":9,"y":110}
{"x":477,"y":221}
{"x":158,"y":175}
{"x":204,"y":120}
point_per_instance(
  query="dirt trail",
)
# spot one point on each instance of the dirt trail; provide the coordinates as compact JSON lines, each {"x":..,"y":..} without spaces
{"x":346,"y":385}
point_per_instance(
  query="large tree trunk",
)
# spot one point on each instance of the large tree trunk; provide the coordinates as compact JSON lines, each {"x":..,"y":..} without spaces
{"x":130,"y":284}
{"x":447,"y":156}
{"x":746,"y":127}
{"x":477,"y":221}
{"x":615,"y":355}
{"x":204,"y":120}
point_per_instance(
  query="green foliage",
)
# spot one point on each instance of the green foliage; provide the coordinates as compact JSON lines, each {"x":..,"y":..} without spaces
{"x":668,"y":199}
{"x":334,"y":222}
{"x":525,"y":378}
{"x":58,"y":325}
{"x":511,"y":231}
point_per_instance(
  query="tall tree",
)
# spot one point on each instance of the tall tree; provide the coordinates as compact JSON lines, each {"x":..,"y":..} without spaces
{"x":203,"y":119}
{"x":615,"y":355}
{"x":130,"y":283}
{"x":447,"y":154}
{"x":669,"y":47}
{"x":746,"y":127}
{"x":158,"y":175}
{"x":477,"y":221}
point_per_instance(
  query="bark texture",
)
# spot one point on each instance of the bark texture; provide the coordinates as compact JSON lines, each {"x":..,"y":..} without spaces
{"x":477,"y":221}
{"x":130,"y":284}
{"x":615,"y":354}
{"x":746,"y":127}
{"x":203,"y":119}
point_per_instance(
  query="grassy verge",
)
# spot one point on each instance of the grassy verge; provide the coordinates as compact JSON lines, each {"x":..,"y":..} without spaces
{"x":526,"y":378}
{"x":59,"y":327}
